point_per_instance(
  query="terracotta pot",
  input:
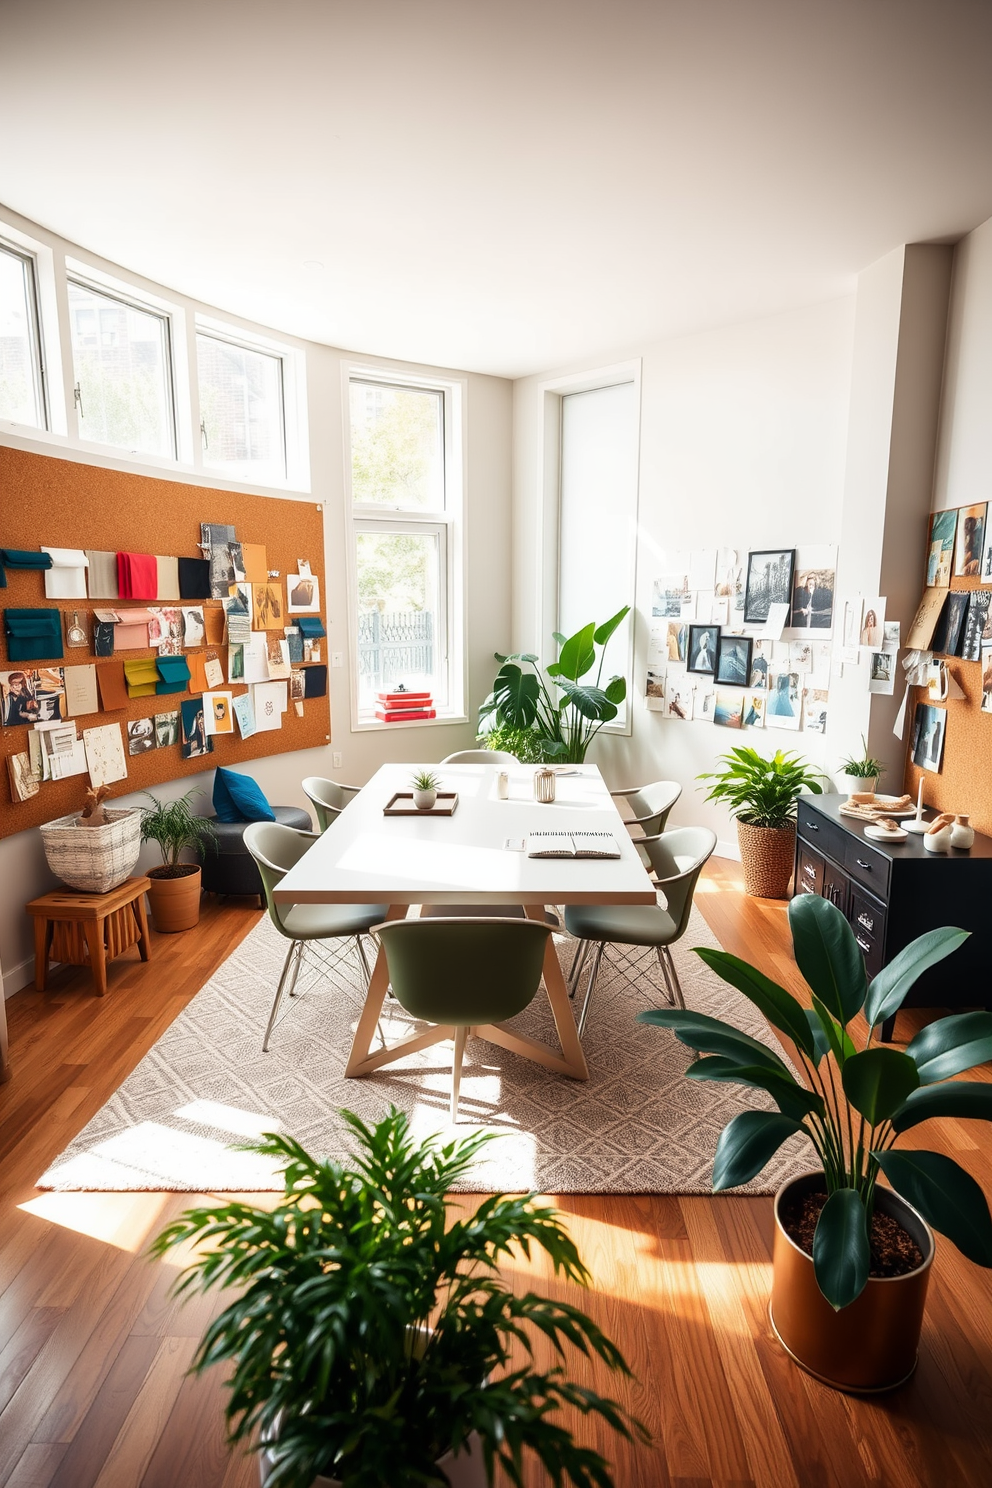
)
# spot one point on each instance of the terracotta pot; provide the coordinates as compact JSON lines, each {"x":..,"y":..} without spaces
{"x":767,"y":856}
{"x":467,"y":1470}
{"x":175,"y":902}
{"x":872,"y":1344}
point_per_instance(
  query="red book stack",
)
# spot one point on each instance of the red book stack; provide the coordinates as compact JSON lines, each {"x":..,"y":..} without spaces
{"x":403,"y":707}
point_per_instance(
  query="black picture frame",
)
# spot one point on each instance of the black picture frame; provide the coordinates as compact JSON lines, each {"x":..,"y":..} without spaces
{"x":733,"y":660}
{"x":770,"y":575}
{"x":694,"y":649}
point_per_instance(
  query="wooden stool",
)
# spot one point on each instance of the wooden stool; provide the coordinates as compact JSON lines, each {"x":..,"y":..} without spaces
{"x":89,"y":929}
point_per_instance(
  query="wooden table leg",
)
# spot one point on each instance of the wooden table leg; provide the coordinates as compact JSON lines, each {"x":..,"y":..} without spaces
{"x":141,"y":915}
{"x":561,"y":1007}
{"x":93,"y":930}
{"x":40,"y":953}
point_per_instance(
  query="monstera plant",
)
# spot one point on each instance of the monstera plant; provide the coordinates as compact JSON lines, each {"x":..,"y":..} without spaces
{"x":564,"y":711}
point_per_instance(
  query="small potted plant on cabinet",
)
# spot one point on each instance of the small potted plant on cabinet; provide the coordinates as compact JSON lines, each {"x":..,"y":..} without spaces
{"x":370,"y":1335}
{"x":862,"y":772}
{"x":852,"y":1259}
{"x":762,"y":795}
{"x":174,"y":895}
{"x":425,"y":788}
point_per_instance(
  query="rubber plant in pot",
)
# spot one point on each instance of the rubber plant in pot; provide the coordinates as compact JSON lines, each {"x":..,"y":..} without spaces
{"x":564,"y":711}
{"x":174,"y":895}
{"x":762,"y":795}
{"x":852,"y":1258}
{"x":371,"y":1332}
{"x":862,"y":772}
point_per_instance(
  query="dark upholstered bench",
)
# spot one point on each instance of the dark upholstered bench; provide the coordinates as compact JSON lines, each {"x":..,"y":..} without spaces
{"x":228,"y":866}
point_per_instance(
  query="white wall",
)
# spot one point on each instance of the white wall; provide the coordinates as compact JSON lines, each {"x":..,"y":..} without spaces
{"x":964,"y":447}
{"x":488,"y":411}
{"x":743,"y":444}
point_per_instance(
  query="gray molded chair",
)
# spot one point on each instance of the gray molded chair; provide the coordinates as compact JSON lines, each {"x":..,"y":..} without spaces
{"x":677,"y":859}
{"x":481,"y":757}
{"x":651,"y":805}
{"x":327,"y":798}
{"x":462,"y":973}
{"x":276,"y":849}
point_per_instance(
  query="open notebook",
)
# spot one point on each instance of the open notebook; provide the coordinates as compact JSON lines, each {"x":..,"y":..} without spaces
{"x":572,"y":845}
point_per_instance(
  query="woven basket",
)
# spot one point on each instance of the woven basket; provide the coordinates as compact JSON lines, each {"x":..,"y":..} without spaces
{"x":96,"y":859}
{"x":767,"y":855}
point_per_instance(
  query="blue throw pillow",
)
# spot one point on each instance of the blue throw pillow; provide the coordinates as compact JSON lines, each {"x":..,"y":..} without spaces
{"x":238,"y":798}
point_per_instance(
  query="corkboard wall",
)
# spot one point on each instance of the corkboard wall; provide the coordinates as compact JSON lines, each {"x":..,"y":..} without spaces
{"x":64,"y":504}
{"x":965,"y":779}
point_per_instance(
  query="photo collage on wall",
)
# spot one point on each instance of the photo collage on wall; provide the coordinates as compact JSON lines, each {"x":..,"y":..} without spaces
{"x":743,"y":639}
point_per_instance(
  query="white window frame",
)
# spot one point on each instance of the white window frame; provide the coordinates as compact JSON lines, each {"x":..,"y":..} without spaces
{"x":295,"y":424}
{"x":548,"y":518}
{"x":449,"y":524}
{"x":174,"y":317}
{"x":46,"y":317}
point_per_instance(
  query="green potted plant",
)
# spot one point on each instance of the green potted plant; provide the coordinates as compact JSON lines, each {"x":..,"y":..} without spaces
{"x":371,"y":1331}
{"x":851,"y":1259}
{"x":425,"y":788}
{"x":524,"y":744}
{"x":565,"y":712}
{"x":862,"y":772}
{"x":174,"y":895}
{"x":762,"y":795}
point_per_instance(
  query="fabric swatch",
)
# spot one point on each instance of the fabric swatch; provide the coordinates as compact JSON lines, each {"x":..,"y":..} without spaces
{"x":102,"y":574}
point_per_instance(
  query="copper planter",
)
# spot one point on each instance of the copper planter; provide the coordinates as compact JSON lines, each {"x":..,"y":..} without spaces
{"x":869,"y":1346}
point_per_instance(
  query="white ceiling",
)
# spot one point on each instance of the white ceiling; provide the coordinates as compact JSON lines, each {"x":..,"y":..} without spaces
{"x":497,"y":185}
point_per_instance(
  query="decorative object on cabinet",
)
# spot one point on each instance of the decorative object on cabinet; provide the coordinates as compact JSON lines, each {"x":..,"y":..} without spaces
{"x":962,"y":833}
{"x":937,"y":838}
{"x":762,"y":795}
{"x":891,"y":892}
{"x":422,"y":1297}
{"x":565,"y":725}
{"x":851,"y":1259}
{"x":863,"y":771}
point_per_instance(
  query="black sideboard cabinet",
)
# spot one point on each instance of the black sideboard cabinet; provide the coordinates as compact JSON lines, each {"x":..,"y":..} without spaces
{"x":891,"y":893}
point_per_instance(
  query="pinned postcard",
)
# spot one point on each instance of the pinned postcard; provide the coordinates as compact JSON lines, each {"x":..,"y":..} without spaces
{"x":244,"y":712}
{"x":218,"y":717}
{"x":255,"y":658}
{"x":80,"y":690}
{"x":105,"y":757}
{"x":193,"y":632}
{"x":778,"y":615}
{"x":277,"y":658}
{"x":213,"y":671}
{"x":271,"y":701}
{"x":303,"y":593}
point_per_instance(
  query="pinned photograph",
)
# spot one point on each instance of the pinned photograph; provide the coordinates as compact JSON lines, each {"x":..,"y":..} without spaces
{"x":754,"y":710}
{"x":769,"y":582}
{"x":298,"y":685}
{"x":925,"y":620}
{"x":728,"y":710}
{"x":267,"y":608}
{"x":193,"y":632}
{"x":679,"y":703}
{"x":668,"y":594}
{"x":941,"y":548}
{"x":655,"y":685}
{"x":166,"y":729}
{"x":303,"y":593}
{"x":785,"y":703}
{"x":733,"y":660}
{"x":975,"y":624}
{"x":705,"y":704}
{"x":761,"y":654}
{"x":815,"y":710}
{"x":813,"y":590}
{"x":33,"y":696}
{"x":701,"y":649}
{"x":882,"y":672}
{"x":969,"y":544}
{"x":165,"y":631}
{"x":949,"y":630}
{"x":677,"y":640}
{"x":195,"y":740}
{"x":929,"y":725}
{"x":140,"y":736}
{"x":873,"y":625}
{"x":987,"y":677}
{"x":218,"y":717}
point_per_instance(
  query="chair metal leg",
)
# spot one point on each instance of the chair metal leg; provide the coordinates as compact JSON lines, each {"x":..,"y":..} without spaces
{"x":461,"y":1034}
{"x":366,"y":973}
{"x":666,"y":979}
{"x":575,"y":970}
{"x":291,"y":989}
{"x":594,"y":973}
{"x":676,"y":984}
{"x":293,"y":957}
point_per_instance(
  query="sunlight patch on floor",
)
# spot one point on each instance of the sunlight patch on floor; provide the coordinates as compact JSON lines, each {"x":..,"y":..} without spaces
{"x":125,"y":1220}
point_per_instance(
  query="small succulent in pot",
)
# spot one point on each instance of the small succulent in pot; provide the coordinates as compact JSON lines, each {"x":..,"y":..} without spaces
{"x":863,"y":771}
{"x":425,"y":788}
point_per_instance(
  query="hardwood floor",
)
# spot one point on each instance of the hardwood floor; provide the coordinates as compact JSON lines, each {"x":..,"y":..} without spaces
{"x":93,"y":1352}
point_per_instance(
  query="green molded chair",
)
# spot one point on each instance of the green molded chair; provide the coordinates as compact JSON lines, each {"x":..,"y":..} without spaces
{"x":276,"y":849}
{"x":462,"y":973}
{"x":327,"y":798}
{"x":480,"y":757}
{"x":677,"y":860}
{"x":651,"y":805}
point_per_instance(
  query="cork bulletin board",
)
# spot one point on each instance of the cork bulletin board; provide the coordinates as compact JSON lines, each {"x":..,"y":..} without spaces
{"x":61,"y":503}
{"x":964,"y":783}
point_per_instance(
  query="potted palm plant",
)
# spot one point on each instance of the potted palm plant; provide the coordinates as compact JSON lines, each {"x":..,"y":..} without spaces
{"x":370,"y":1335}
{"x":563,"y":711}
{"x":762,"y":795}
{"x":174,"y":896}
{"x":862,"y":772}
{"x":852,"y":1258}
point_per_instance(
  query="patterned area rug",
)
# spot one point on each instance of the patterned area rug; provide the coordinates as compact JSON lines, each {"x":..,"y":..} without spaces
{"x":637,"y":1125}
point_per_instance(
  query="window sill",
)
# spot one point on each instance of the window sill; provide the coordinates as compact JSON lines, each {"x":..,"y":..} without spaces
{"x":366,"y":725}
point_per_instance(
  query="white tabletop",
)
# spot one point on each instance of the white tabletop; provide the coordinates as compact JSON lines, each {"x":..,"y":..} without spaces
{"x":368,"y":858}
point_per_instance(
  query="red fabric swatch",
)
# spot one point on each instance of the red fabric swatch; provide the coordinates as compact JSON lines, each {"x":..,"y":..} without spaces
{"x":137,"y":575}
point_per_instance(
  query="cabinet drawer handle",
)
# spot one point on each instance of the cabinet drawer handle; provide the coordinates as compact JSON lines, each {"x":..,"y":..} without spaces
{"x":868,"y":923}
{"x":811,"y":826}
{"x":862,"y":864}
{"x":809,"y":871}
{"x":863,"y":944}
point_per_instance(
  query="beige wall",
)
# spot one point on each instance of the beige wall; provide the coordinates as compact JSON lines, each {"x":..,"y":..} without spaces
{"x":488,"y":412}
{"x":964,"y":446}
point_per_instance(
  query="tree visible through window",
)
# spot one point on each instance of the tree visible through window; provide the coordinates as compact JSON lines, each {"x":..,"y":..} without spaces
{"x":123,"y":370}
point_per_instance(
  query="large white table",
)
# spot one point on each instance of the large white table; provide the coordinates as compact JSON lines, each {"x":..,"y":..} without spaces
{"x":368,"y":858}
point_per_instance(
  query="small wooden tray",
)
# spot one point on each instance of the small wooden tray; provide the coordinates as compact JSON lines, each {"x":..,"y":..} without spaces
{"x":401,"y":804}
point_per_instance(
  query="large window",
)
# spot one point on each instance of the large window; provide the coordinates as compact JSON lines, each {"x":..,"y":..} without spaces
{"x":404,"y":502}
{"x":22,"y":391}
{"x":122,"y":366}
{"x":242,"y":410}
